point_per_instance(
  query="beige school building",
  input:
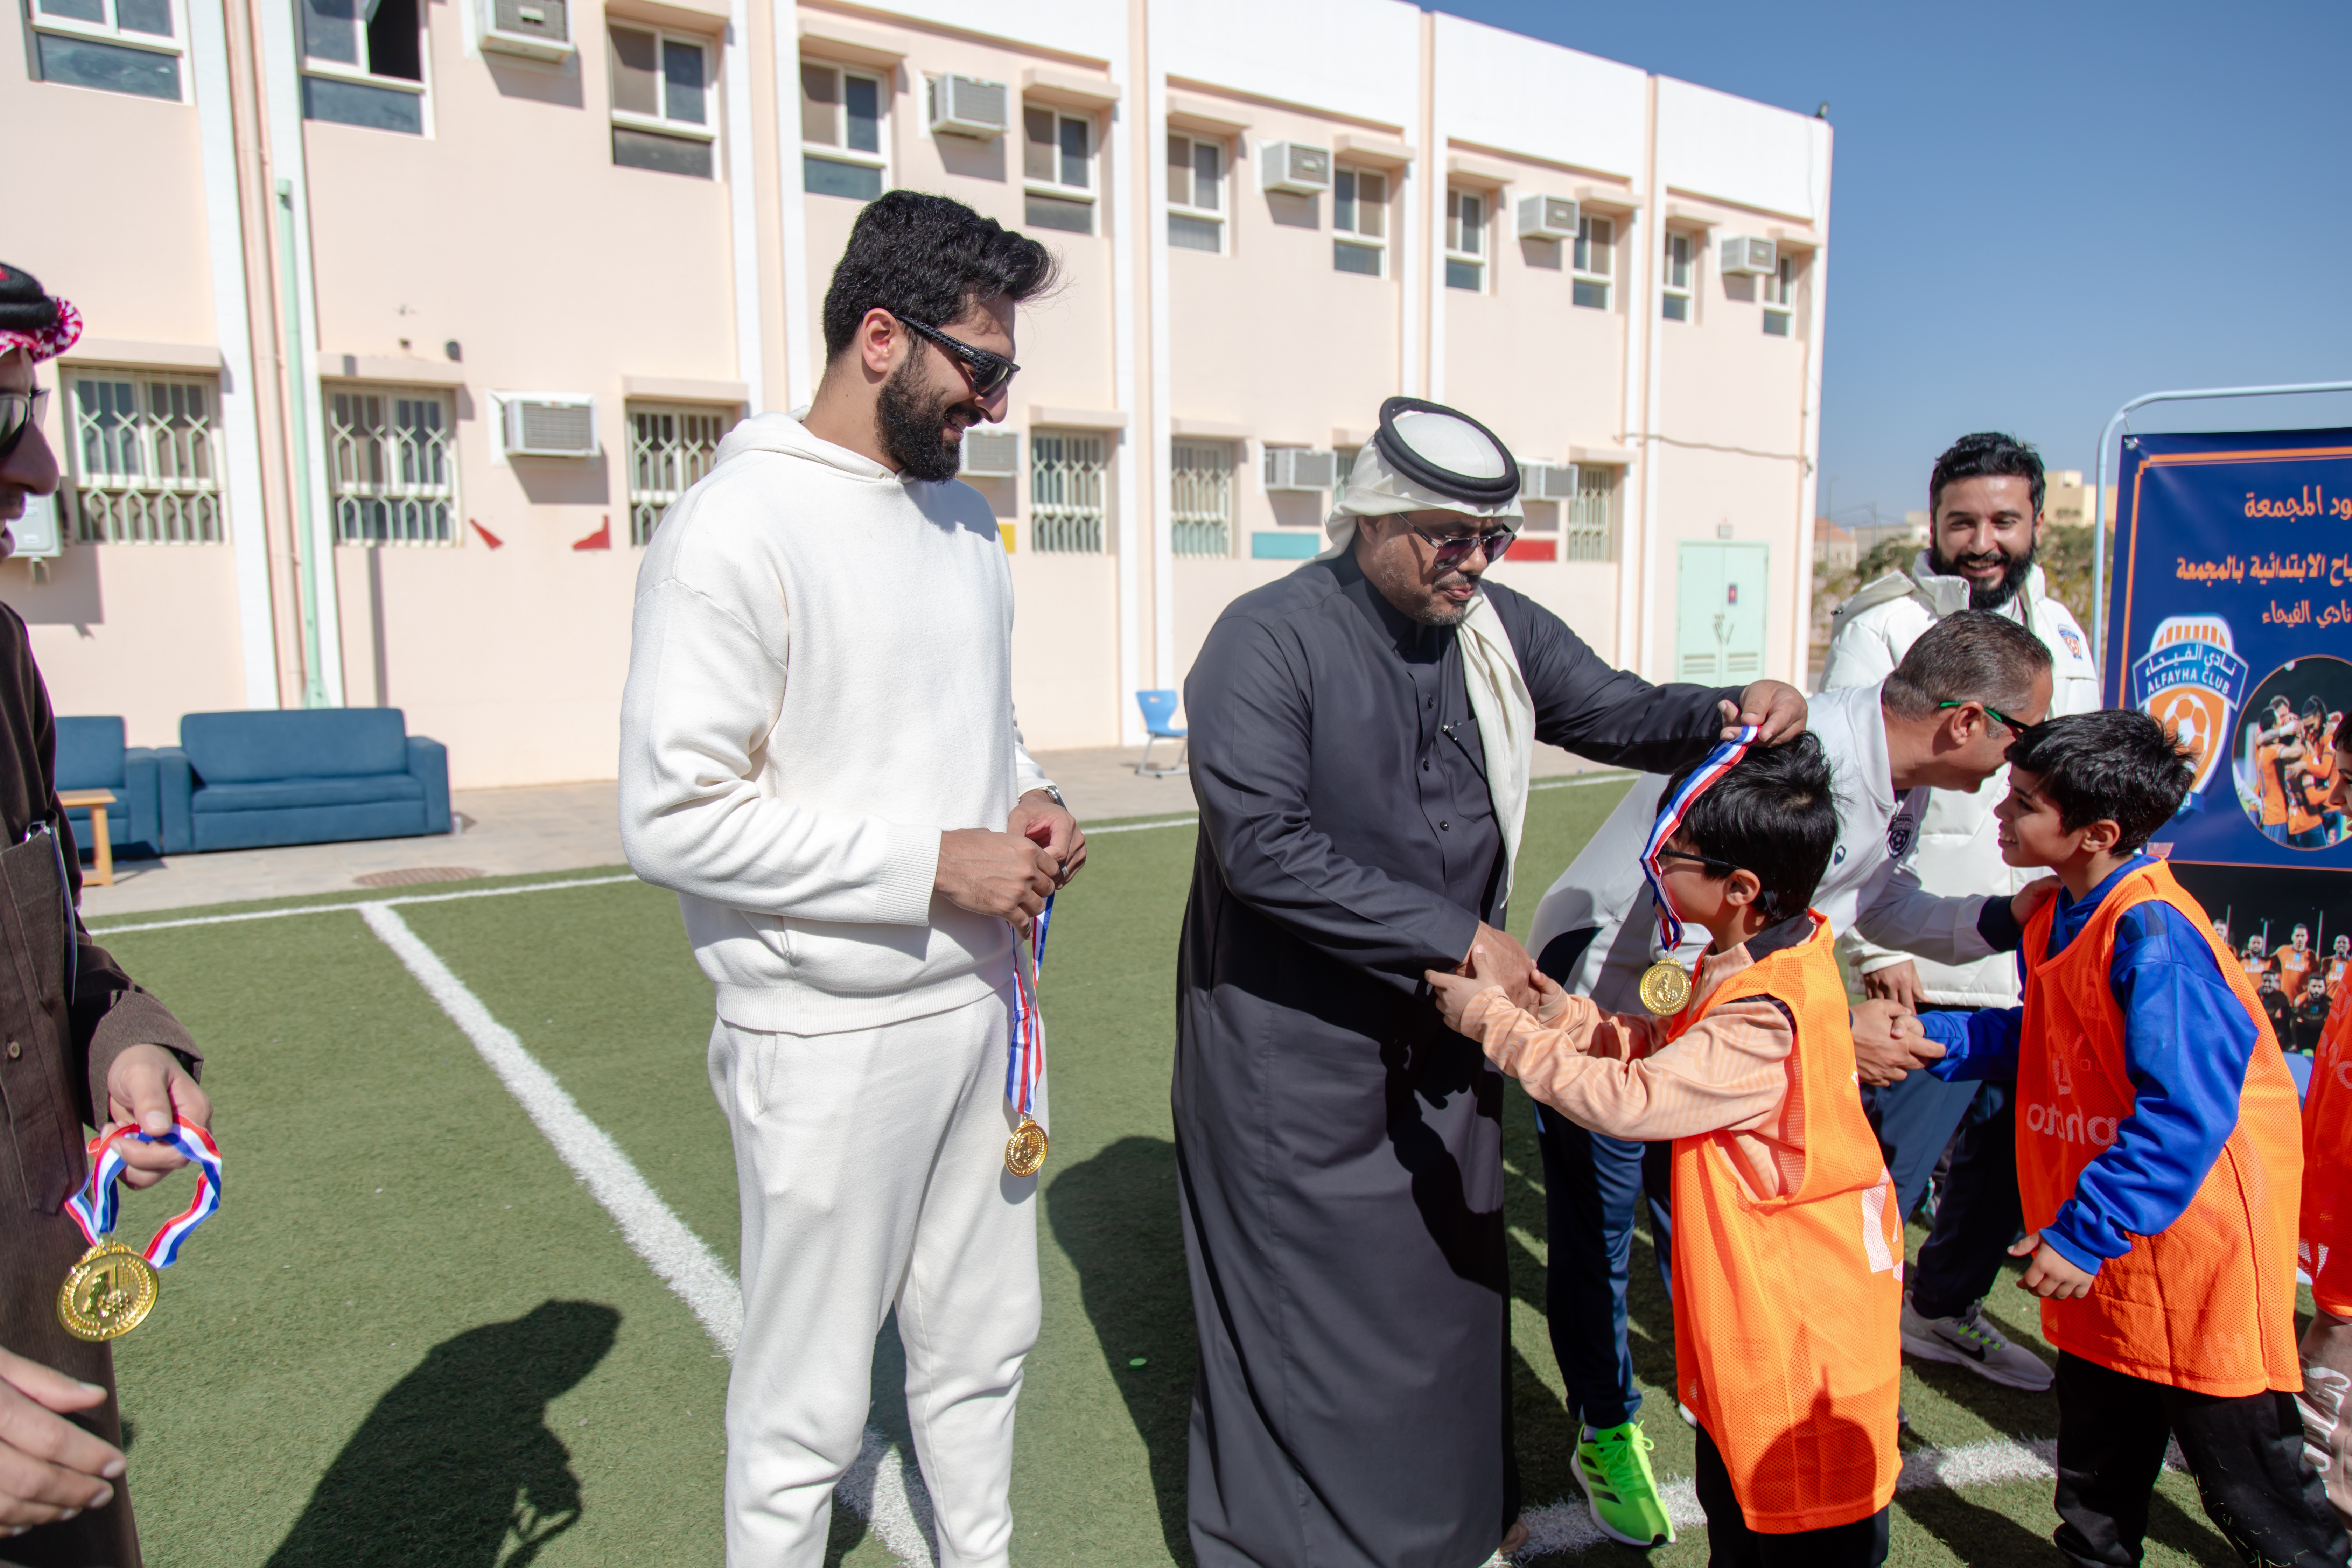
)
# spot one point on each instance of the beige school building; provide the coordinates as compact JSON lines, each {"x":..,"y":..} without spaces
{"x":406,"y":319}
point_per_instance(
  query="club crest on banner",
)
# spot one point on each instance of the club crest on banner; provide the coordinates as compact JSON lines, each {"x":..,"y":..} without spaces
{"x":2193,"y":680}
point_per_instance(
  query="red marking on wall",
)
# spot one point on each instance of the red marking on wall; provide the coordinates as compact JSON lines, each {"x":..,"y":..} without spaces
{"x":600,"y":539}
{"x":492,"y":540}
{"x":1526,"y":549}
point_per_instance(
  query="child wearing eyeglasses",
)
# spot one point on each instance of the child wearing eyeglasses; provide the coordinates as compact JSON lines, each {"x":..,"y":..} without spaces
{"x":1787,"y":1246}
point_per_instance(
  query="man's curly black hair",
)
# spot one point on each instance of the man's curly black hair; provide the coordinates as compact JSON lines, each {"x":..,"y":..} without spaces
{"x":929,"y":259}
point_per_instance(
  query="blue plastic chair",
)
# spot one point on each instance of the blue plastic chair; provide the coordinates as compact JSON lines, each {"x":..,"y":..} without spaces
{"x":1158,"y":711}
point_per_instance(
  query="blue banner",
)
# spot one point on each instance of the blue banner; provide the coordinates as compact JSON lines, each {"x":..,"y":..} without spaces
{"x":2229,"y":617}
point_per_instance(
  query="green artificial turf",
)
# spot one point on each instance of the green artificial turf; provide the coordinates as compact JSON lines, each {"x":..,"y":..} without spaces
{"x":412,"y":1338}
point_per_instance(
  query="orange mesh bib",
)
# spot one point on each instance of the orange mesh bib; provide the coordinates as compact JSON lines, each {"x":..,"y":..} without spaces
{"x":2208,"y":1304}
{"x":2328,"y":1167}
{"x":1786,"y":1334}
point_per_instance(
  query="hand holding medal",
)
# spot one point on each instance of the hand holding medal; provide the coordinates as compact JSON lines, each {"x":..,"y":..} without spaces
{"x":110,"y":1291}
{"x":1025,"y":1062}
{"x":1666,"y":986}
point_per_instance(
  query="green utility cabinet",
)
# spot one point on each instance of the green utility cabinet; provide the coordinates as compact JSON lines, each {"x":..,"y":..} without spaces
{"x":1719,"y":623}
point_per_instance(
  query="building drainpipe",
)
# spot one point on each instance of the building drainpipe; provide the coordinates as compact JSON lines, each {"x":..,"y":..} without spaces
{"x":306,"y":562}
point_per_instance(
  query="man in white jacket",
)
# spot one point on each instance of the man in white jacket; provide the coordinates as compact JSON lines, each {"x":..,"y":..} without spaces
{"x":1985,"y":500}
{"x":818,"y":754}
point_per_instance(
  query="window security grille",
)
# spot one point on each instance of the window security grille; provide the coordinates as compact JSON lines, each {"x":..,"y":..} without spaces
{"x":144,"y":467}
{"x":1592,"y":530}
{"x":390,"y":470}
{"x":1202,"y":478}
{"x":670,"y":449}
{"x":1068,"y":480}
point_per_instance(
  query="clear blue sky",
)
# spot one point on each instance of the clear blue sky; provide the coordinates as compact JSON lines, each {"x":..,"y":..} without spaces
{"x":2039,"y":211}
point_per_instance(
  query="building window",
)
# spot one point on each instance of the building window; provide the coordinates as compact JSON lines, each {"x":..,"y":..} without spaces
{"x":1594,"y":262}
{"x":1592,"y":530}
{"x":670,"y":449}
{"x":841,"y":132}
{"x":662,"y":116}
{"x":1196,"y":192}
{"x":114,"y":46}
{"x":1359,"y":221}
{"x":1202,"y":478}
{"x":1068,"y":477}
{"x":143,"y":465}
{"x":1466,"y":239}
{"x":363,"y":63}
{"x":1058,"y":170}
{"x":1677,"y":292}
{"x":390,"y":470}
{"x":1780,"y":298}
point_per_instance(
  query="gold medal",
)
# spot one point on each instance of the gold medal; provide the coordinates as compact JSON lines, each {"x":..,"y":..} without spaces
{"x":1665,"y":987}
{"x":109,"y":1293}
{"x":1024,"y":1151}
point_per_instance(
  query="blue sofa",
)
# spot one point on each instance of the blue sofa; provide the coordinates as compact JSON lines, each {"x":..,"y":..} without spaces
{"x":244,"y":781}
{"x":91,"y":755}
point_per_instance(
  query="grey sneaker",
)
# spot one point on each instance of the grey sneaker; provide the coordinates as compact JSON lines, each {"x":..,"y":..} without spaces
{"x":1969,"y":1341}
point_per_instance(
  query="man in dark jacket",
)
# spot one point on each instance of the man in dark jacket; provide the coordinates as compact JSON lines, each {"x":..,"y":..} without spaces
{"x":79,"y":1045}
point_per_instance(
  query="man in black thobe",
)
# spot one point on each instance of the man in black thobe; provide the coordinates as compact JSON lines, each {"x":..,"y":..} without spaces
{"x":1339,"y":1151}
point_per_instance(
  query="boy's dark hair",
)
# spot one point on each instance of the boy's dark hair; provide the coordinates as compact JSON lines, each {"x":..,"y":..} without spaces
{"x":2117,"y":763}
{"x":1772,"y":815}
{"x":1969,"y":656}
{"x":929,"y":259}
{"x":1986,"y":453}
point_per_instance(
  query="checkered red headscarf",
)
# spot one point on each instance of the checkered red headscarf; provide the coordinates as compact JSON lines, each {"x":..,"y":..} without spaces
{"x":39,"y":323}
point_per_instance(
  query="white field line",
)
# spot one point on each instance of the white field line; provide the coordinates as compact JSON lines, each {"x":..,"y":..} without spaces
{"x":877,"y":1485}
{"x":361,"y":904}
{"x":1190,"y":820}
{"x":1584,"y":779}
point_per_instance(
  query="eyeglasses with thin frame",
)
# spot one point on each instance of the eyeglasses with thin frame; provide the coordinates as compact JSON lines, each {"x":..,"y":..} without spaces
{"x":986,"y":371}
{"x":1452,"y":552}
{"x":19,"y":412}
{"x":2016,"y":727}
{"x":1713,"y":867}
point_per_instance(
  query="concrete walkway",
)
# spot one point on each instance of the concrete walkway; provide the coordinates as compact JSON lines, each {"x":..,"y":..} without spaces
{"x":562,"y":827}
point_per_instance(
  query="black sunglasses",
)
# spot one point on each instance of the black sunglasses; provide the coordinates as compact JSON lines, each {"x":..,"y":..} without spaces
{"x":19,"y":412}
{"x":1713,"y":867}
{"x":1452,"y":552}
{"x":985,"y":370}
{"x":2015,"y":727}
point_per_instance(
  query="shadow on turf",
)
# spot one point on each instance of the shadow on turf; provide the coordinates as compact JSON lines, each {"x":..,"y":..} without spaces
{"x":456,"y":1462}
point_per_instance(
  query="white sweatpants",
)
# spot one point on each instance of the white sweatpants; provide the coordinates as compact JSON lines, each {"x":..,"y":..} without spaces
{"x":871,"y":1171}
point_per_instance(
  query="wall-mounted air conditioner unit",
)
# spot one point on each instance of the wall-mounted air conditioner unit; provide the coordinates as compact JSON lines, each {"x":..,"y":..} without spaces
{"x":967,"y":106}
{"x":1546,"y":218}
{"x":1547,"y":481}
{"x":1301,"y":469}
{"x":547,"y":423}
{"x":536,"y":30}
{"x":1747,"y":257}
{"x":35,"y":531}
{"x":1294,"y":167}
{"x":992,"y":453}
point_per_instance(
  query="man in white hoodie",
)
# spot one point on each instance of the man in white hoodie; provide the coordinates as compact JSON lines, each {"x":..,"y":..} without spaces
{"x":1985,"y":500}
{"x":818,"y":752}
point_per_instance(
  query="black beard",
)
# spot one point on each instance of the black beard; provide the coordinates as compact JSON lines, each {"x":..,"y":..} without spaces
{"x":2000,"y":593}
{"x":909,"y":425}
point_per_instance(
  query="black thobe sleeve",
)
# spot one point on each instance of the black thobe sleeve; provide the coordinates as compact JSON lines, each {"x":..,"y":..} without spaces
{"x":1608,"y":715}
{"x":1252,"y":759}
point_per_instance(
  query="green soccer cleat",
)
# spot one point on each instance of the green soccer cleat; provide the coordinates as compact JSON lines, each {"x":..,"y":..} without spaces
{"x":1614,"y":1466}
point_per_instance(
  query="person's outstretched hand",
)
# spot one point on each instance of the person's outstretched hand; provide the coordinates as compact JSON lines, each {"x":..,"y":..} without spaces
{"x":1498,"y":959}
{"x":1889,"y":1043}
{"x":1453,"y":993}
{"x":147,"y":1085}
{"x":2032,"y":896}
{"x":49,"y":1469}
{"x":1777,"y":707}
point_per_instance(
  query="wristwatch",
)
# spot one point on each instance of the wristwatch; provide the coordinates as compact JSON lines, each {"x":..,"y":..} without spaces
{"x":1056,"y":793}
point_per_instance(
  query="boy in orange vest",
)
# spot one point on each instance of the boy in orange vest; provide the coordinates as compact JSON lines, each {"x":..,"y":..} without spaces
{"x":2326,"y":1233}
{"x":2158,"y":1159}
{"x":1788,"y":1250}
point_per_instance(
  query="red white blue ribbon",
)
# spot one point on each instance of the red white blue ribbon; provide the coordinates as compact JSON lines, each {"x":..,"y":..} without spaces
{"x":1025,"y":1064}
{"x":93,"y":1209}
{"x":1719,"y":761}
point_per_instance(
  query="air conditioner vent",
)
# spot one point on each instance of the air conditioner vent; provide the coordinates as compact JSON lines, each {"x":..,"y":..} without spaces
{"x":1295,"y":167}
{"x":1301,"y":469}
{"x":1547,"y":481}
{"x":1546,"y":218}
{"x":992,"y":453}
{"x":1745,"y":256}
{"x":967,"y":106}
{"x":548,"y":424}
{"x":536,"y":30}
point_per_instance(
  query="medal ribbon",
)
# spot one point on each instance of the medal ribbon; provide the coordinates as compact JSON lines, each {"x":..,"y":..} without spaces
{"x":93,"y":1209}
{"x":1025,"y":1064}
{"x":1719,"y":761}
